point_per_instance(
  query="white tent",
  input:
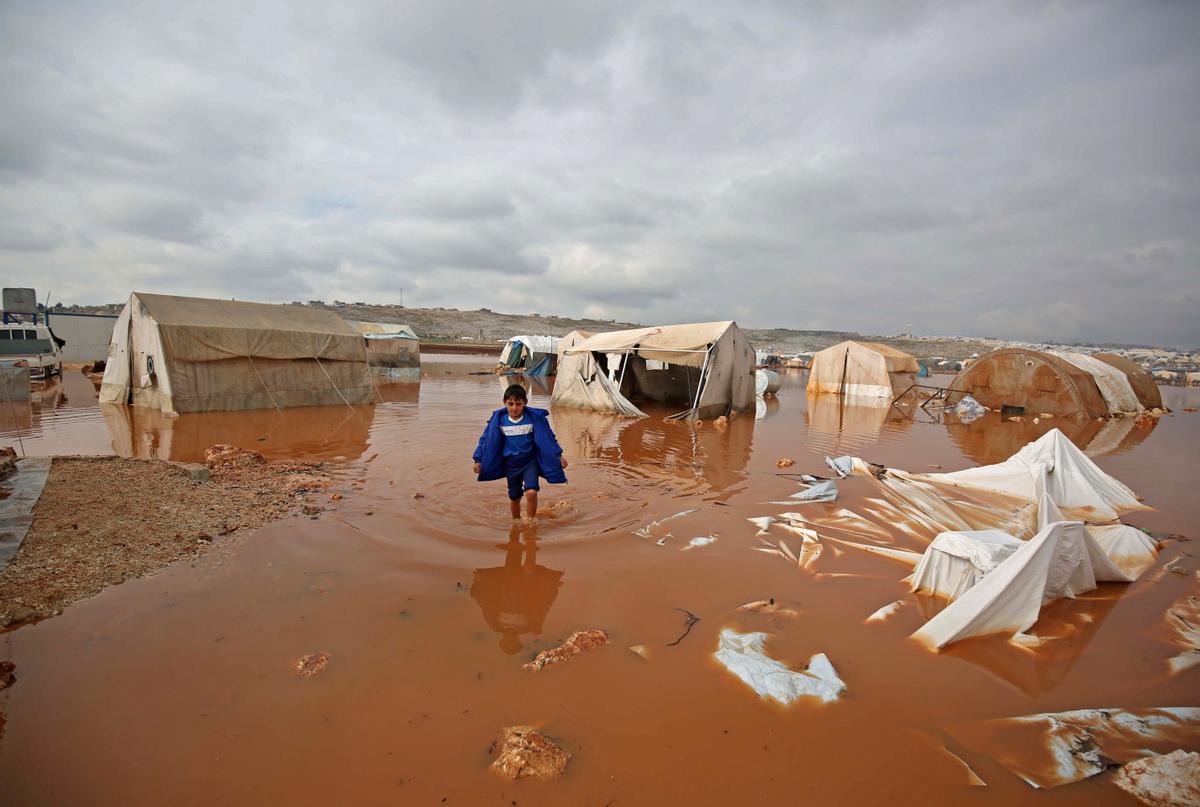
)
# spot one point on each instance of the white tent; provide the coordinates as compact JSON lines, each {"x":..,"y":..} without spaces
{"x":1062,"y":560}
{"x":866,"y":369}
{"x":190,"y":354}
{"x":957,"y":560}
{"x":707,"y":368}
{"x":526,"y":351}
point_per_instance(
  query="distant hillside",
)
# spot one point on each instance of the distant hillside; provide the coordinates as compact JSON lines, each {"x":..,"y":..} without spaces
{"x":487,"y":327}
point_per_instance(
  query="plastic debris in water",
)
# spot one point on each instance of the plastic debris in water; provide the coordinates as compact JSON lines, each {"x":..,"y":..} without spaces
{"x":742,"y":654}
{"x":703,"y":540}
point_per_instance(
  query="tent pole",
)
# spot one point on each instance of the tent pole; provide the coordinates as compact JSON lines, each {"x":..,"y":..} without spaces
{"x":264,"y":383}
{"x":703,"y":377}
{"x":335,"y":386}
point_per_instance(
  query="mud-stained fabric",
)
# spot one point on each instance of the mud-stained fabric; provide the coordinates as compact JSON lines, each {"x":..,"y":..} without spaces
{"x":865,"y":369}
{"x":185,"y":354}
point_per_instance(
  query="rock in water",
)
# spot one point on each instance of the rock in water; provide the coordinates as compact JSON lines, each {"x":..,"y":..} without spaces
{"x":525,"y":751}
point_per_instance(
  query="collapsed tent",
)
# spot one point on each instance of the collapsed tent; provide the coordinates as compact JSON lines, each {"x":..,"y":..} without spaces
{"x":1059,"y":384}
{"x":393,"y":350}
{"x":190,"y":354}
{"x":706,"y":367}
{"x":535,"y":355}
{"x":866,"y":369}
{"x":1062,"y":560}
{"x":1139,"y":379}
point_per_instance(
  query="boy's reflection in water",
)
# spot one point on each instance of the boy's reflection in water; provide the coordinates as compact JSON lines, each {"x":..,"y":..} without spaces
{"x":516,"y":597}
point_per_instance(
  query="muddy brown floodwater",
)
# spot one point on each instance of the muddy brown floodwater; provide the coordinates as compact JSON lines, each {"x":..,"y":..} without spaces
{"x":181,"y":688}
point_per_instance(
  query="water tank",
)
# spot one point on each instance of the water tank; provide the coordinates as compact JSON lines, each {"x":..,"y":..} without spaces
{"x":766,"y":381}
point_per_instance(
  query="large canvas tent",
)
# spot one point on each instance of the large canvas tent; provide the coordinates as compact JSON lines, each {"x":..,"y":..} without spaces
{"x":1139,"y":378}
{"x":190,"y":354}
{"x":1057,"y":383}
{"x":393,"y":350}
{"x":864,"y":369}
{"x":1040,"y":382}
{"x":707,"y":368}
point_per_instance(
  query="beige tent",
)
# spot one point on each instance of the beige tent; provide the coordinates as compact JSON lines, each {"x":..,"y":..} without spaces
{"x":571,"y":340}
{"x":707,"y":368}
{"x":864,"y":369}
{"x":393,"y":350}
{"x":190,"y":354}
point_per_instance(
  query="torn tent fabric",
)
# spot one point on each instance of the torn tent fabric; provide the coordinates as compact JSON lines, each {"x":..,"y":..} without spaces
{"x":742,"y":654}
{"x":956,"y":561}
{"x":1060,"y":561}
{"x":1053,"y":465}
{"x":1058,"y":748}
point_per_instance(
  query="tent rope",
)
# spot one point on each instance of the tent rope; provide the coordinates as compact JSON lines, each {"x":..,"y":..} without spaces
{"x":335,"y":386}
{"x":264,"y":383}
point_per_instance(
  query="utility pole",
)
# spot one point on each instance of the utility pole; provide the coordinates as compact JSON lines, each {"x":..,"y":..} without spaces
{"x":402,"y":297}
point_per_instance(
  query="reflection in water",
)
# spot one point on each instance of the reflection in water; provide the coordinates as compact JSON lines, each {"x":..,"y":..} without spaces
{"x":990,"y":439}
{"x":656,"y":449}
{"x":853,"y":421}
{"x":309,"y":432}
{"x":1067,"y":626}
{"x":516,"y":597}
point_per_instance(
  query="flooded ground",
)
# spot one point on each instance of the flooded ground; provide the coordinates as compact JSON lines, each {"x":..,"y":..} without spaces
{"x":179,"y":688}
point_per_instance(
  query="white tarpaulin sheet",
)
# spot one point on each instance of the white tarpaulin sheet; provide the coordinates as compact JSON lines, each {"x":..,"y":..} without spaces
{"x":1053,"y":465}
{"x":742,"y":654}
{"x":1060,"y":561}
{"x":956,"y":561}
{"x":1114,"y":385}
{"x":533,"y":344}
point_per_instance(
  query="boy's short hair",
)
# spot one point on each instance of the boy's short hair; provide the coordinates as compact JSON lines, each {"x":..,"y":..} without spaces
{"x":515,"y":391}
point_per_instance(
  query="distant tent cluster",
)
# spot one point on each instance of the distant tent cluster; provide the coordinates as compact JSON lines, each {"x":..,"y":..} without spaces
{"x":1060,"y":384}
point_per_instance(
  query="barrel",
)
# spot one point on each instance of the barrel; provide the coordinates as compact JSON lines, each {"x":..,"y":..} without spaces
{"x":766,"y":381}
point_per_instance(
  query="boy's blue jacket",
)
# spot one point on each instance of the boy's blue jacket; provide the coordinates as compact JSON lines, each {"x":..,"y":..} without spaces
{"x":490,"y":451}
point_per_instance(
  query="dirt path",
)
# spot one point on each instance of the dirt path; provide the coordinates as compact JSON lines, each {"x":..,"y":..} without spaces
{"x":103,"y":520}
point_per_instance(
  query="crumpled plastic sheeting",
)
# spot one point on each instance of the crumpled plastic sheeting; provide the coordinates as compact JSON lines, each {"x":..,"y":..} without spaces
{"x":1051,"y":749}
{"x":1169,"y":779}
{"x":842,"y":466}
{"x":1053,"y":465}
{"x":1060,"y":561}
{"x":957,"y":560}
{"x":826,"y":491}
{"x":1183,"y":620}
{"x":1130,"y":550}
{"x":969,"y":410}
{"x":742,"y":654}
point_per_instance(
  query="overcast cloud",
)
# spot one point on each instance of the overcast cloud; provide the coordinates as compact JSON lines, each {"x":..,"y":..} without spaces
{"x":1023,"y":170}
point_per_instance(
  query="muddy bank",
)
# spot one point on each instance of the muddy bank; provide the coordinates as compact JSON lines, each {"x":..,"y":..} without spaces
{"x":103,"y":520}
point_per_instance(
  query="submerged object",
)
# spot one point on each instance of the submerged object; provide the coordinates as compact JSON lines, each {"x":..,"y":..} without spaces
{"x":742,"y":654}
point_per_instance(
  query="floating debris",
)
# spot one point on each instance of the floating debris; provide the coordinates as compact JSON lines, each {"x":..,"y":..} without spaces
{"x":312,"y":664}
{"x":1051,"y":749}
{"x":578,"y":642}
{"x":1162,"y":781}
{"x":742,"y":654}
{"x":644,"y":532}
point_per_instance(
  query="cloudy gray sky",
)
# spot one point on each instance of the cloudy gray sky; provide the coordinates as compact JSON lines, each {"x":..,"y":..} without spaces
{"x":1026,"y":170}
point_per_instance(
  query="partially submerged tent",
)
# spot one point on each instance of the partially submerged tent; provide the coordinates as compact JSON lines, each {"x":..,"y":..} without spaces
{"x":527,"y":352}
{"x":864,"y":369}
{"x":1062,"y":384}
{"x":191,"y":354}
{"x":393,"y":350}
{"x":707,"y":368}
{"x":1062,"y":560}
{"x":1139,"y":378}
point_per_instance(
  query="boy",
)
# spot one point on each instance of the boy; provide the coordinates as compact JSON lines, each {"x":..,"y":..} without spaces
{"x":518,"y":443}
